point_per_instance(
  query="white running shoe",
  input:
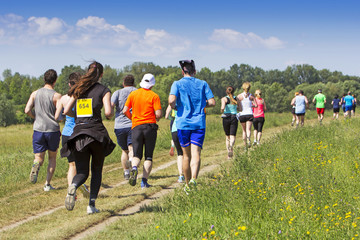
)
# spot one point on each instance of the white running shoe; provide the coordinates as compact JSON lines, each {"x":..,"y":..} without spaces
{"x":48,"y":187}
{"x":70,"y":197}
{"x":91,"y":210}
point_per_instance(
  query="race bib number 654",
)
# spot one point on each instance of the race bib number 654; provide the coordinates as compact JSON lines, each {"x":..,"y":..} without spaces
{"x":84,"y":107}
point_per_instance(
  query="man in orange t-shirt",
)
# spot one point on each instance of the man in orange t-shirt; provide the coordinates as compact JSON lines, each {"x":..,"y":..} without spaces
{"x":146,"y":111}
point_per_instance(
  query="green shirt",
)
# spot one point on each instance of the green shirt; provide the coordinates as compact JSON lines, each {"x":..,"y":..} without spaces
{"x":320,"y":100}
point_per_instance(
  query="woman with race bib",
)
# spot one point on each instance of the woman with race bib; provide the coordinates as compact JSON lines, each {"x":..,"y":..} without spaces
{"x":89,"y":138}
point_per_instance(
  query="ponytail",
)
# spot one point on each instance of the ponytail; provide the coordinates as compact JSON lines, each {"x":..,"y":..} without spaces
{"x":95,"y":71}
{"x":230,"y":92}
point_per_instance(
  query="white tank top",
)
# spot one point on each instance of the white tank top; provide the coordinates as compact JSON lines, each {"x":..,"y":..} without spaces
{"x":246,"y":105}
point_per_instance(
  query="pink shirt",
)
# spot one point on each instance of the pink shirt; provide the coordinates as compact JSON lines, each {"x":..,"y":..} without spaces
{"x":259,"y":110}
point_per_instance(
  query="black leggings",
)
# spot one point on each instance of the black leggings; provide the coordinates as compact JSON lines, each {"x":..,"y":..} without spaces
{"x":82,"y":162}
{"x":144,"y":134}
{"x":175,"y":138}
{"x":258,"y":123}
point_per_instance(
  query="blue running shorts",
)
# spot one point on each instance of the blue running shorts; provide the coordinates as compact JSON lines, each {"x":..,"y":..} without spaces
{"x":43,"y":141}
{"x":187,"y":137}
{"x":123,"y":136}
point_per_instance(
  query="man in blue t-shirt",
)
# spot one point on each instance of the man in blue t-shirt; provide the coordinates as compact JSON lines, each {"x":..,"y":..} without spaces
{"x":349,"y":102}
{"x":190,"y":96}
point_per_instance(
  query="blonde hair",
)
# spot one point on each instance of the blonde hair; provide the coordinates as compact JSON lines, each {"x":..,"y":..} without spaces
{"x":230,"y":93}
{"x":258,"y":93}
{"x":246,"y":86}
{"x":296,"y":93}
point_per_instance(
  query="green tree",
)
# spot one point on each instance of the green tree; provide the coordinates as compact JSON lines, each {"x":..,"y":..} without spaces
{"x":7,"y":112}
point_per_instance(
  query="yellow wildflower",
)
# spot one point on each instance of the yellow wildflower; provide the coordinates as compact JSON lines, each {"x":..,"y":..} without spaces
{"x":157,"y":227}
{"x":212,"y":233}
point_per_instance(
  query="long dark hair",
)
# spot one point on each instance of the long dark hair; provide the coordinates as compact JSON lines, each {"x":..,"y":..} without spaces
{"x":95,"y":70}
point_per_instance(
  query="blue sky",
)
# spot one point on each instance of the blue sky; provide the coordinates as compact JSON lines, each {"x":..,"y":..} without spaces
{"x":38,"y":35}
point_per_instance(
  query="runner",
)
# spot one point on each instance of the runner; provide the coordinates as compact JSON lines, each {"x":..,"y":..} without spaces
{"x":175,"y":140}
{"x":354,"y":106}
{"x":170,"y":114}
{"x":146,"y":111}
{"x":68,"y":130}
{"x":349,"y":103}
{"x":342,"y":103}
{"x":246,"y":102}
{"x":300,"y":102}
{"x":46,"y":135}
{"x":190,"y":96}
{"x":123,"y":124}
{"x":320,"y":101}
{"x":259,"y":116}
{"x":89,"y":138}
{"x":336,"y":107}
{"x":293,"y":112}
{"x":229,"y":107}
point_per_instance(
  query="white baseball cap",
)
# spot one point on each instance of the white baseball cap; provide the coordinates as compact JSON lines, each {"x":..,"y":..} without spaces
{"x":147,"y":81}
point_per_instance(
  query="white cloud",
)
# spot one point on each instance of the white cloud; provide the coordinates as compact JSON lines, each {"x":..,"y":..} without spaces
{"x":45,"y":26}
{"x":234,"y":40}
{"x":2,"y":32}
{"x":159,"y":42}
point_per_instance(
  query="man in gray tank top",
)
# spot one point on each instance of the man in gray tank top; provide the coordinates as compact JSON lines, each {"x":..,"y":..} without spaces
{"x":123,"y":124}
{"x":46,"y":135}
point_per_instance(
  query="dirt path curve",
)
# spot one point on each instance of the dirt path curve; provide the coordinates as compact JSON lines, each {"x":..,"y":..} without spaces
{"x":271,"y":132}
{"x":136,"y":208}
{"x":48,"y":212}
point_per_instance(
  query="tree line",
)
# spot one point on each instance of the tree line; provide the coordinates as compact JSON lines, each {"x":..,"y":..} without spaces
{"x":278,"y":87}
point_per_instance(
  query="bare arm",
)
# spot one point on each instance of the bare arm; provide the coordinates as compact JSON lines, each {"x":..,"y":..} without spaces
{"x":293,"y":102}
{"x":210,"y":103}
{"x":264,"y":105}
{"x":172,"y":101}
{"x":59,"y":107}
{"x":107,"y":105}
{"x":240,"y":98}
{"x":254,"y":103}
{"x":307,"y":102}
{"x":223,"y":104}
{"x":30,"y":105}
{"x":168,"y":111}
{"x":68,"y":108}
{"x":158,"y":114}
{"x":126,"y":112}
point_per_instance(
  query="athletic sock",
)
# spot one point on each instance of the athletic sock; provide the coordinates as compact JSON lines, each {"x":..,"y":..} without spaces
{"x":134,"y":168}
{"x":127,"y":171}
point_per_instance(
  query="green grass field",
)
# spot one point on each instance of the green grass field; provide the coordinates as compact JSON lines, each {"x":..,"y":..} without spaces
{"x":255,"y":196}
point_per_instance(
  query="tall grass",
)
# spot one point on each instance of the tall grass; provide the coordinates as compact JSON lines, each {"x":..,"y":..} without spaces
{"x":302,"y":184}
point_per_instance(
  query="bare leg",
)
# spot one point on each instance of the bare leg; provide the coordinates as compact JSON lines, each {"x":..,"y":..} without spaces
{"x":71,"y":172}
{"x":179,"y":164}
{"x":195,"y":161}
{"x":243,"y":125}
{"x":135,"y":162}
{"x":147,"y":168}
{"x":51,"y":166}
{"x":248,"y":131}
{"x":186,"y":163}
{"x":125,"y":159}
{"x":39,"y":158}
{"x":259,"y":137}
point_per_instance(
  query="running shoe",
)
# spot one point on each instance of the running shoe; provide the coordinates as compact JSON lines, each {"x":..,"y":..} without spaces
{"x":34,"y":172}
{"x":91,"y":210}
{"x":70,"y":197}
{"x":133,"y":176}
{"x":171,"y":151}
{"x":181,"y":179}
{"x":187,"y":189}
{"x":126,"y":176}
{"x":192,"y":184}
{"x":48,"y":187}
{"x":145,"y":185}
{"x":85,"y":191}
